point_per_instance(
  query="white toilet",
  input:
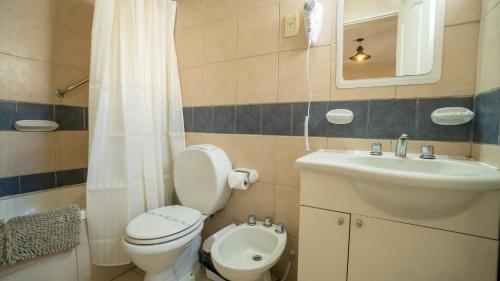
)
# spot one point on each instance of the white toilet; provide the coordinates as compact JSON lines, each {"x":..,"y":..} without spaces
{"x":164,"y":242}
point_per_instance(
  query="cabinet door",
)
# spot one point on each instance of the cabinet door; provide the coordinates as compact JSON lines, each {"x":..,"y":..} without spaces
{"x":323,"y":245}
{"x":382,"y":250}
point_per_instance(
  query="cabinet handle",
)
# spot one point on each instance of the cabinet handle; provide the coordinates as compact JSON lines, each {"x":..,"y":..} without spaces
{"x":340,"y":220}
{"x":359,"y":223}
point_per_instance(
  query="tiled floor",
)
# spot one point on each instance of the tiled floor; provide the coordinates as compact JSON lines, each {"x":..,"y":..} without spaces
{"x":138,"y":275}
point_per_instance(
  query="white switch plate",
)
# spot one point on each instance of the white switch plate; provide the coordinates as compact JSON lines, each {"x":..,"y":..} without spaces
{"x":292,"y":25}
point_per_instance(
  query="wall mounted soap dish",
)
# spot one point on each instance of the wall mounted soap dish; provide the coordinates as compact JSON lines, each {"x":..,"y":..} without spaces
{"x":35,"y":125}
{"x":449,"y":116}
{"x":340,"y":116}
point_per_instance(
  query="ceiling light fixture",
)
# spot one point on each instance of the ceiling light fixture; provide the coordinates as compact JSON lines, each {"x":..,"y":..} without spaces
{"x":360,"y":55}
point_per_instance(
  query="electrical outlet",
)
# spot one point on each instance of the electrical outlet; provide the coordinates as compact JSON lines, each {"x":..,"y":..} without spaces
{"x":292,"y":25}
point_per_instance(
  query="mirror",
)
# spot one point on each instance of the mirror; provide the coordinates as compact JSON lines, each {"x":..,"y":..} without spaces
{"x":389,"y":42}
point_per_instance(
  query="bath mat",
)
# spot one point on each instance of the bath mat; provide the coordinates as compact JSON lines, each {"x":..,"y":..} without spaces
{"x":31,"y":236}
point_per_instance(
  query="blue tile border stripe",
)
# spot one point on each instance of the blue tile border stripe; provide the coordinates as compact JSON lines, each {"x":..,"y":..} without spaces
{"x":43,"y":181}
{"x":373,"y":119}
{"x":69,"y":118}
{"x":487,"y":117}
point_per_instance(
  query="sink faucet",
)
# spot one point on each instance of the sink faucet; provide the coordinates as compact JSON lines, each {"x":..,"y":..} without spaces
{"x":402,"y":145}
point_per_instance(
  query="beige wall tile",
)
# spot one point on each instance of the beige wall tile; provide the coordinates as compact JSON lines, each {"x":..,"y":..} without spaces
{"x":289,"y":149}
{"x":487,"y":5}
{"x":214,"y":224}
{"x":189,"y":14}
{"x":461,"y":11}
{"x":488,"y":59}
{"x":219,"y":83}
{"x":487,"y":153}
{"x":8,"y":157}
{"x":228,"y":210}
{"x":257,"y":79}
{"x":193,"y":138}
{"x":223,"y":141}
{"x":71,"y":47}
{"x":25,"y":80}
{"x":441,"y":148}
{"x":292,"y":244}
{"x":414,"y":91}
{"x":257,"y":200}
{"x":459,"y":60}
{"x":300,"y":41}
{"x":191,"y":86}
{"x":189,"y":47}
{"x":258,"y":31}
{"x":245,"y":5}
{"x":293,"y":75}
{"x":72,"y":149}
{"x":220,"y":40}
{"x":219,"y":9}
{"x":358,"y":144}
{"x":40,"y":9}
{"x":24,"y":36}
{"x":75,"y":14}
{"x":257,"y":152}
{"x":286,"y":204}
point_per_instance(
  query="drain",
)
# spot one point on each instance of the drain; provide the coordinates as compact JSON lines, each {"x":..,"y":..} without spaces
{"x":257,"y":258}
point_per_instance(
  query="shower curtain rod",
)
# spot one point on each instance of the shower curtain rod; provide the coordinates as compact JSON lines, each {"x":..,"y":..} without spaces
{"x":61,"y":92}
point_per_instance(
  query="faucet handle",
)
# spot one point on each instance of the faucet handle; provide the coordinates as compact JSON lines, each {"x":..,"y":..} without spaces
{"x":280,"y":228}
{"x":251,"y":220}
{"x":427,"y":151}
{"x":268,"y":221}
{"x":376,"y":149}
{"x":404,"y":137}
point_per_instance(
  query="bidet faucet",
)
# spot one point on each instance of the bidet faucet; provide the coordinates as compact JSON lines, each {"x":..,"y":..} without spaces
{"x":402,"y":145}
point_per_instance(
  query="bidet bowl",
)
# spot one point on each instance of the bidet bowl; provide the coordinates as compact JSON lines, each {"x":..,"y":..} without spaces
{"x":247,"y":252}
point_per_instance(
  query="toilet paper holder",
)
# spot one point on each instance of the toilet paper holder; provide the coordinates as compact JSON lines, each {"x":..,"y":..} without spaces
{"x":250,"y":176}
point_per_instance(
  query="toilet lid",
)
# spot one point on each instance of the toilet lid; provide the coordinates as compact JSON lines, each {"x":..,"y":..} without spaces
{"x":169,"y":221}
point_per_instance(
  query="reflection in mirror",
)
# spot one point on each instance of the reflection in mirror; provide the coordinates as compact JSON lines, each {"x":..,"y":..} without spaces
{"x":388,"y":38}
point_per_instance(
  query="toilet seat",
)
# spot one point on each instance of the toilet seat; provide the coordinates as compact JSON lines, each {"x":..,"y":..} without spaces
{"x":163,"y":225}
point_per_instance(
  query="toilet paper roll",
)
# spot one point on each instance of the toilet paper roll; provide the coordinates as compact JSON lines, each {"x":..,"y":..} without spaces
{"x":238,"y":180}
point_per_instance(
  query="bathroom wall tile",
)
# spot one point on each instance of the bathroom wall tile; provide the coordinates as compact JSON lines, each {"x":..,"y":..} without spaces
{"x":33,"y":111}
{"x":258,"y":31}
{"x":487,"y":118}
{"x":9,"y":186}
{"x":7,"y":153}
{"x":358,"y":127}
{"x":286,"y":204}
{"x":219,"y":83}
{"x":7,"y":115}
{"x":71,"y":47}
{"x":213,"y":224}
{"x":293,"y":75}
{"x":249,"y":119}
{"x":190,"y":13}
{"x":191,"y":86}
{"x":388,"y":119}
{"x":34,"y":152}
{"x":75,"y":14}
{"x":459,"y":61}
{"x":193,"y":139}
{"x":24,"y":79}
{"x":220,"y":40}
{"x":289,"y":149}
{"x":415,"y":91}
{"x":187,"y":113}
{"x":276,"y":119}
{"x":70,"y":118}
{"x":487,"y":153}
{"x":37,"y":182}
{"x":257,"y":79}
{"x":24,"y":36}
{"x":427,"y":130}
{"x":300,"y":42}
{"x":245,"y":5}
{"x":462,"y":149}
{"x":224,"y":119}
{"x":488,"y":60}
{"x":38,"y":9}
{"x":358,"y":144}
{"x":292,"y":244}
{"x":228,"y":210}
{"x":72,"y":150}
{"x":189,"y":47}
{"x":462,"y":11}
{"x":202,"y":119}
{"x":219,"y":9}
{"x":258,"y":200}
{"x":222,"y":141}
{"x":487,"y":6}
{"x":257,"y":152}
{"x":70,"y":177}
{"x":317,"y":121}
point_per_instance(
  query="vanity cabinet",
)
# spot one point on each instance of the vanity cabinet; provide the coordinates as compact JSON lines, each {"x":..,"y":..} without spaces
{"x":364,"y":248}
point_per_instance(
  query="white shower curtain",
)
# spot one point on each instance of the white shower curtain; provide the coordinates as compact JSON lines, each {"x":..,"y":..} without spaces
{"x":135,"y":119}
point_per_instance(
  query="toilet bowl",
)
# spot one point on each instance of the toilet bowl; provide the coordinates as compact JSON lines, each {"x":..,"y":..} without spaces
{"x":247,"y":252}
{"x":164,"y":242}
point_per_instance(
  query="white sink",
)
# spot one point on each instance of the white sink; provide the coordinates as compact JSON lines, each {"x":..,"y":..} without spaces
{"x":411,"y":186}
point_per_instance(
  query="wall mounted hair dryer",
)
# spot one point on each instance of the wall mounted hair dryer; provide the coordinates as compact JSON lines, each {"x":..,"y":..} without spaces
{"x":313,"y":18}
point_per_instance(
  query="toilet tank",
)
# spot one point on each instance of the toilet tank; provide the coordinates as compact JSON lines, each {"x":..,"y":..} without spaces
{"x":200,"y":178}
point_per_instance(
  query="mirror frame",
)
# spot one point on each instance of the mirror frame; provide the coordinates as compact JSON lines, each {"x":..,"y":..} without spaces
{"x":431,"y":77}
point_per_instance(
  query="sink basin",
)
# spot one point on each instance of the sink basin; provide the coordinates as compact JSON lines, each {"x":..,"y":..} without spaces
{"x":409,"y":187}
{"x":247,"y":252}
